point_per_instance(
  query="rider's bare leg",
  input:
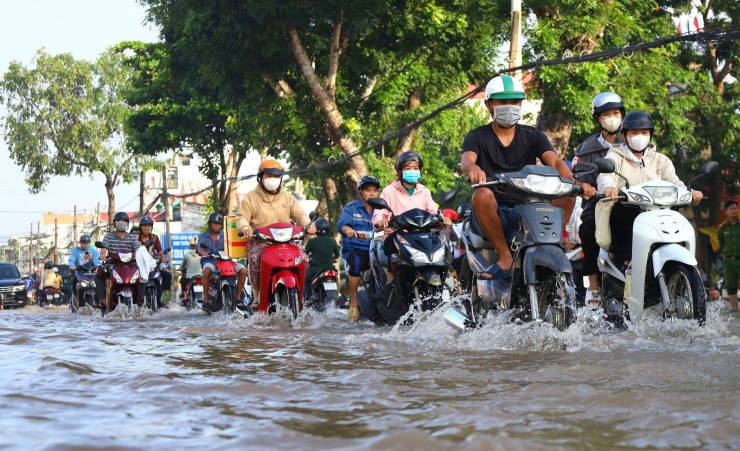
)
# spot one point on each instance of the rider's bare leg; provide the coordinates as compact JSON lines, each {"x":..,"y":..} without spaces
{"x":206,"y":283}
{"x":486,"y":211}
{"x":242,"y":274}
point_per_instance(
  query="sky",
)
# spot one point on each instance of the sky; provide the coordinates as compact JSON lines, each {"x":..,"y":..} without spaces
{"x":84,"y":28}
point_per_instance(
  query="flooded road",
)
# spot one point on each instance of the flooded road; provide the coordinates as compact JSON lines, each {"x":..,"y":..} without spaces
{"x":184,"y":380}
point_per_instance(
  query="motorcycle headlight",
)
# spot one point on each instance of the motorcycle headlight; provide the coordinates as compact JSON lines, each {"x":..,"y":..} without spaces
{"x":639,"y":197}
{"x":418,"y":256}
{"x":115,"y":276}
{"x":282,"y":235}
{"x":125,"y":256}
{"x":663,"y":195}
{"x":686,"y":198}
{"x":135,"y":277}
{"x":263,"y":236}
{"x":542,"y":184}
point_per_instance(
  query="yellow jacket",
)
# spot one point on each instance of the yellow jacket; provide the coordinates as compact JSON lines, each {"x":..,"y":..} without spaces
{"x":259,"y":209}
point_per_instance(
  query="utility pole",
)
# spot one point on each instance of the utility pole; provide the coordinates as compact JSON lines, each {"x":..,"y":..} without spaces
{"x":74,"y":227}
{"x":97,"y":222}
{"x":30,"y":249}
{"x":141,"y":194}
{"x":56,"y":249}
{"x":38,"y":236}
{"x":515,"y":49}
{"x":166,"y":201}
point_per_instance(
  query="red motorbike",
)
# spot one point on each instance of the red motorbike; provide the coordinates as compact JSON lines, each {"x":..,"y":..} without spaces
{"x":222,"y":289}
{"x":195,"y":292}
{"x":282,"y":267}
{"x":123,"y":279}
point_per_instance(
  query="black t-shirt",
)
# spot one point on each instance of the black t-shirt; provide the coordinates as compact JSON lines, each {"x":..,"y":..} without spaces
{"x":494,"y":158}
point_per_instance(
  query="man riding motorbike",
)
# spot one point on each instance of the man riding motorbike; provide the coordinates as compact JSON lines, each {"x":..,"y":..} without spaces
{"x":607,"y":111}
{"x":356,"y":220}
{"x":213,"y":238}
{"x":322,"y":251}
{"x":146,"y":224}
{"x":506,"y":146}
{"x":119,"y":240}
{"x":402,"y":195}
{"x":79,"y":256}
{"x":267,"y":204}
{"x":48,"y":279}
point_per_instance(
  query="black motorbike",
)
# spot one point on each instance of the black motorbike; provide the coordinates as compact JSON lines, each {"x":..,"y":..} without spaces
{"x":322,"y":290}
{"x":420,"y":268}
{"x":153,"y":286}
{"x":540,"y":285}
{"x":85,"y":293}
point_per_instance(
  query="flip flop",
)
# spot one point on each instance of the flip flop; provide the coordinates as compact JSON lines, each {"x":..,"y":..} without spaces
{"x":495,"y":272}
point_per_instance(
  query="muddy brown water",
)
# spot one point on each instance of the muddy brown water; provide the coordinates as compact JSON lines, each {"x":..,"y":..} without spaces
{"x":185,"y":380}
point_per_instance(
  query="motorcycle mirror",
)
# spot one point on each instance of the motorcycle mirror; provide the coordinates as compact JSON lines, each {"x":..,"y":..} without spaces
{"x":148,"y":243}
{"x":585,"y":167}
{"x":166,"y":251}
{"x":203,"y":246}
{"x":313,"y":215}
{"x":447,"y":198}
{"x":710,"y":167}
{"x":604,"y":166}
{"x":99,"y":245}
{"x":379,"y":203}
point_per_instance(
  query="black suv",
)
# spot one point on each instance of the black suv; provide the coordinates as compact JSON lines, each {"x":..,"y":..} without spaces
{"x":12,"y":288}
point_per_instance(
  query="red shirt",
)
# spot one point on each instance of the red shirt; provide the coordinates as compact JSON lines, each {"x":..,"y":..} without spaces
{"x":156,"y":246}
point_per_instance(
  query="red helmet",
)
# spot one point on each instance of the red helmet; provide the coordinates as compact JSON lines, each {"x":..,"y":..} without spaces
{"x":449,"y":213}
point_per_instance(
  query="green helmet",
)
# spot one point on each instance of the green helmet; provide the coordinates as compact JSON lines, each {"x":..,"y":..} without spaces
{"x":504,"y":87}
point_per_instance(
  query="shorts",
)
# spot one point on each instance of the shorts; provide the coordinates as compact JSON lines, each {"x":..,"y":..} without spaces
{"x":358,"y":261}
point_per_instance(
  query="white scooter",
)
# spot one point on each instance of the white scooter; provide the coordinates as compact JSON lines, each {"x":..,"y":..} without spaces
{"x":663,"y":264}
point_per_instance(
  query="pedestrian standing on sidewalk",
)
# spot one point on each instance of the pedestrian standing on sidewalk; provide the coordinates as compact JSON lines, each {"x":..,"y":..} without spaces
{"x":729,"y":243}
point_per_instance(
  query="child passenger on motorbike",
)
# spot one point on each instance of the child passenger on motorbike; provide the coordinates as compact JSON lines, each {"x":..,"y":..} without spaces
{"x":146,"y":224}
{"x":404,"y":194}
{"x":638,"y":161}
{"x":322,"y":250}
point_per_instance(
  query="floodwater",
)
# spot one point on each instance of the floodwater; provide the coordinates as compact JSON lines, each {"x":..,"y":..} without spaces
{"x":185,"y":380}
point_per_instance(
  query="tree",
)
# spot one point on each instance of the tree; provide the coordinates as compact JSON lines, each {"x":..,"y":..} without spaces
{"x":66,"y":117}
{"x":330,"y":75}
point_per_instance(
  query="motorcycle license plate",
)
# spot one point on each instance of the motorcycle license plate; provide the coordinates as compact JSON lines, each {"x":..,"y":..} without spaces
{"x":198,"y":288}
{"x":330,"y":286}
{"x":56,"y":296}
{"x":50,"y":297}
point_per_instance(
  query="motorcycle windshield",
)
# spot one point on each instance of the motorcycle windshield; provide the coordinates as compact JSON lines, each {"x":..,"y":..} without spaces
{"x":415,"y":219}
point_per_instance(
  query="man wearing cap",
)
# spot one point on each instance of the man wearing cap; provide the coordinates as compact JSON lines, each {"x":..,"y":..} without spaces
{"x":79,"y":256}
{"x":506,"y":146}
{"x":266,"y":205}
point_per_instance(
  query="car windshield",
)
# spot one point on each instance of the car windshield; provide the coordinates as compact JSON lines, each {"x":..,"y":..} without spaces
{"x":9,"y":272}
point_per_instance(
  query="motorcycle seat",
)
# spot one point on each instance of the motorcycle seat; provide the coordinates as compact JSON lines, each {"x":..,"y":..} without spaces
{"x":475,"y":234}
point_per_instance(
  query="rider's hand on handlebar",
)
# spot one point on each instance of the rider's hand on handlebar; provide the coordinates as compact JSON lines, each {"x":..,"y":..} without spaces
{"x":311,"y":230}
{"x":612,"y":193}
{"x":587,"y":190}
{"x":349,"y":232}
{"x":476,"y":175}
{"x":247,"y":233}
{"x":447,"y":221}
{"x":381,"y":224}
{"x":696,"y":196}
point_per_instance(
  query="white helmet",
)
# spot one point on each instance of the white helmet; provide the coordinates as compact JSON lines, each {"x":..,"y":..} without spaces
{"x":55,"y":269}
{"x":504,"y":87}
{"x":606,"y":101}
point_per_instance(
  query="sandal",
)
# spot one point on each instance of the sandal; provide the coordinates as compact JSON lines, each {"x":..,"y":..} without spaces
{"x":354,"y":314}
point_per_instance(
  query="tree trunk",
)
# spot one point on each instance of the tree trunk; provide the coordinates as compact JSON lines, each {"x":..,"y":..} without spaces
{"x":236,"y":158}
{"x":111,"y":200}
{"x":357,"y":167}
{"x":558,"y":128}
{"x":406,"y":141}
{"x":328,"y":197}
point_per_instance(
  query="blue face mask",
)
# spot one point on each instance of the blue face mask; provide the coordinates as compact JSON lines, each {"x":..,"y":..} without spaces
{"x":411,"y":176}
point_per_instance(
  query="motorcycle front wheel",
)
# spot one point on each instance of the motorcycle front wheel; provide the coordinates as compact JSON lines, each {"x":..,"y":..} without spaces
{"x":556,"y":298}
{"x":150,"y":298}
{"x":287,"y":298}
{"x":686,"y":293}
{"x":227,"y":299}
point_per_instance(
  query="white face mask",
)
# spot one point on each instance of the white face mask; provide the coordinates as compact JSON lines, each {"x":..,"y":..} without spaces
{"x":271,"y":184}
{"x":611,"y":124}
{"x":638,"y":143}
{"x":507,"y":115}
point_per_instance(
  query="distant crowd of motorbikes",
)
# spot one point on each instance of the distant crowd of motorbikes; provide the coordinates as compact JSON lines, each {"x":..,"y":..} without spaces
{"x":544,"y":286}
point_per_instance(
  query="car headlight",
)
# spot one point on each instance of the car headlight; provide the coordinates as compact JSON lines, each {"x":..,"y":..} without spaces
{"x":18,"y":288}
{"x":135,"y":277}
{"x":282,"y":235}
{"x":542,"y":184}
{"x":663,"y":195}
{"x":686,"y":198}
{"x":115,"y":276}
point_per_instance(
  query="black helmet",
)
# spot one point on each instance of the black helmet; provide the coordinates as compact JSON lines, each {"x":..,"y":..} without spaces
{"x":407,"y":157}
{"x":47,"y":265}
{"x":638,"y":120}
{"x":367,"y":180}
{"x":120,"y":216}
{"x":464,"y":211}
{"x":322,"y":226}
{"x":146,"y":220}
{"x":216,"y":218}
{"x":85,"y":239}
{"x":606,"y":101}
